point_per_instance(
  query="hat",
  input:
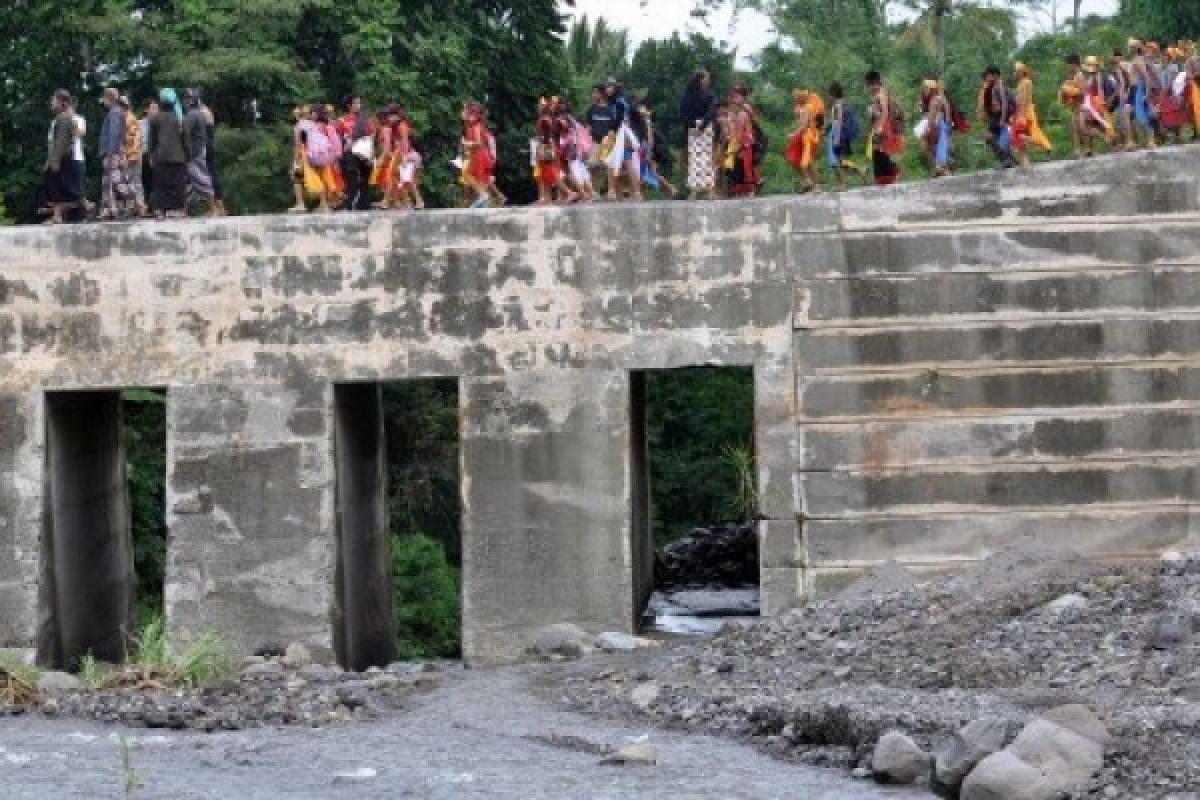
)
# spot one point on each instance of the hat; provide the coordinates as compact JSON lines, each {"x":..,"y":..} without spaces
{"x":1020,"y":67}
{"x":1134,"y":42}
{"x":800,"y":94}
{"x":931,"y":84}
{"x":611,"y":81}
{"x":111,"y":94}
{"x":63,"y":95}
{"x":1091,"y":64}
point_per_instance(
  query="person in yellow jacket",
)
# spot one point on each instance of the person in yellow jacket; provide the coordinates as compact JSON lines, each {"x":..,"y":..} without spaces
{"x":805,"y":142}
{"x":1026,"y":129}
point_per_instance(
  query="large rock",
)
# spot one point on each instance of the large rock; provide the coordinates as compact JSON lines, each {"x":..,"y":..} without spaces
{"x":955,"y":759}
{"x":1052,"y":755}
{"x":611,"y":642}
{"x":51,"y":682}
{"x":721,"y":556}
{"x":297,"y":655}
{"x":562,"y":639}
{"x":898,"y":759}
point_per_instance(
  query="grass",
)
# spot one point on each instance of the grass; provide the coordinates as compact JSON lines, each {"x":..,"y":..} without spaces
{"x":151,"y":662}
{"x":18,"y":681}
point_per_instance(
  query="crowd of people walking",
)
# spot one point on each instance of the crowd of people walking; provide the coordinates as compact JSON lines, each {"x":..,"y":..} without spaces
{"x":163,"y":162}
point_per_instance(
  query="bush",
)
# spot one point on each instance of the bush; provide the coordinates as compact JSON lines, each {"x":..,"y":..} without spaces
{"x":426,"y":605}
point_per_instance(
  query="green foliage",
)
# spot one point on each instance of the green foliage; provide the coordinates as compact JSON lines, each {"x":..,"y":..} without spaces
{"x":205,"y":658}
{"x":662,"y":68}
{"x":421,"y":425}
{"x":145,"y":418}
{"x":1164,"y":20}
{"x":594,"y":51}
{"x":256,"y":166}
{"x":695,"y":419}
{"x":92,"y":673}
{"x":425,"y":599}
{"x":20,"y":669}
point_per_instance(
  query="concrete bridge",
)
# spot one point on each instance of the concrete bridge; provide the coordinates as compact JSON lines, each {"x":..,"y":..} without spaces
{"x":938,"y":369}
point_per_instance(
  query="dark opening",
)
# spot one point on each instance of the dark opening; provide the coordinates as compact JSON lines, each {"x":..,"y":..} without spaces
{"x":399,"y":522}
{"x":694,"y":494}
{"x":87,"y":570}
{"x":144,"y":413}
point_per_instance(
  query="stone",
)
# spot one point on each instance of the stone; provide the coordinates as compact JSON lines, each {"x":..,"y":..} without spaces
{"x":633,"y":754}
{"x":611,"y":642}
{"x":898,"y":759}
{"x":1054,"y":754}
{"x":53,"y":681}
{"x":1169,"y":631}
{"x":1004,"y":776}
{"x":561,"y":639}
{"x":297,"y":655}
{"x":1066,"y":603}
{"x":955,"y":759}
{"x":355,"y":775}
{"x":644,"y":695}
{"x":263,"y":668}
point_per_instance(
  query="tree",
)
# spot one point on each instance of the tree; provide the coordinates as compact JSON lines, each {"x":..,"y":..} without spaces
{"x":661,"y":69}
{"x":1165,"y":20}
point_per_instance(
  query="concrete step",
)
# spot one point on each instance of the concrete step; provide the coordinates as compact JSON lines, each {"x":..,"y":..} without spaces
{"x":1107,"y":531}
{"x":983,"y":343}
{"x":995,"y":392}
{"x":1118,"y":245}
{"x":1011,"y":295}
{"x":963,"y":489}
{"x":1123,"y":184}
{"x":1016,"y":439}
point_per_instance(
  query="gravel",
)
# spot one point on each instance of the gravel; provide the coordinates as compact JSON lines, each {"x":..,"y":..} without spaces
{"x":821,"y":684}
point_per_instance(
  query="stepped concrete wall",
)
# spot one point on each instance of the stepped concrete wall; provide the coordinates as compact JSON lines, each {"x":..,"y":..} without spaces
{"x":938,"y":369}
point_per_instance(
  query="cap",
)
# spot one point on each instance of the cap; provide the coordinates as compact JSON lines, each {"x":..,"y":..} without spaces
{"x":1091,"y":64}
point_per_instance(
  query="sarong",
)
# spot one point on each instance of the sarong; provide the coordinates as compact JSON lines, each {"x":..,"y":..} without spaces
{"x":702,"y":174}
{"x":117,"y":192}
{"x":170,"y":186}
{"x":199,"y":182}
{"x":625,"y":148}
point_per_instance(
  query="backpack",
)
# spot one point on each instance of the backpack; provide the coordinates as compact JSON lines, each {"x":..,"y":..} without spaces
{"x":584,"y":145}
{"x":323,"y":149}
{"x":851,"y":127}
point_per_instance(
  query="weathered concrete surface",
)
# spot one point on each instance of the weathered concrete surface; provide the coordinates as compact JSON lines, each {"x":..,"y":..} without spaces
{"x":937,"y":368}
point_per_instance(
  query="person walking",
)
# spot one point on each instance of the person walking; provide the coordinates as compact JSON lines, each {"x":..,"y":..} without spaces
{"x":600,"y":128}
{"x":885,"y":122}
{"x":58,"y":182}
{"x":79,"y":156}
{"x":358,"y":133}
{"x":195,"y":138}
{"x":623,"y":157}
{"x":148,"y":115}
{"x":169,"y":156}
{"x":133,"y":157}
{"x":116,"y":195}
{"x":698,"y":110}
{"x":742,"y":158}
{"x":210,"y":158}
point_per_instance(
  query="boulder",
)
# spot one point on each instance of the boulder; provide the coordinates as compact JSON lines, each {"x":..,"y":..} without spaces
{"x":955,"y":759}
{"x":1052,"y":755}
{"x":622,"y":642}
{"x":644,"y":695}
{"x":297,"y":655}
{"x":1065,"y":604}
{"x":898,"y":759}
{"x":720,"y":556}
{"x":51,"y":682}
{"x":633,"y":754}
{"x":562,"y":639}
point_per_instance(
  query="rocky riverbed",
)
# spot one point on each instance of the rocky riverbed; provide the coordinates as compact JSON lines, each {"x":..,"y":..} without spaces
{"x":476,"y":734}
{"x":1023,"y":632}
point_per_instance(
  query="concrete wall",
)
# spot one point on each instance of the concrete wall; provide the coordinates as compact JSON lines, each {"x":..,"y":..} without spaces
{"x":937,"y":369}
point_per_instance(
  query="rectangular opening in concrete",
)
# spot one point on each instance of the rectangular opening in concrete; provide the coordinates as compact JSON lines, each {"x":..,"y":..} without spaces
{"x":694,"y":497}
{"x":399,"y":515}
{"x":88,"y":583}
{"x":144,"y":421}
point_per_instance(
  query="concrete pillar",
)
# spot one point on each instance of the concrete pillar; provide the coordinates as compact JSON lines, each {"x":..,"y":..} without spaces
{"x":641,"y":537}
{"x":87,"y":567}
{"x":363,"y":625}
{"x":251,"y":548}
{"x":22,"y":473}
{"x":546,"y":507}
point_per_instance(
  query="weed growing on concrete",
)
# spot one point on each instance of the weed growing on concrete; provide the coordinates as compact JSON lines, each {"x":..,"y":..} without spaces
{"x":93,"y":673}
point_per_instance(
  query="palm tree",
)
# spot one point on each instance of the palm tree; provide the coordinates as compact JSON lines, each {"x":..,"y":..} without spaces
{"x":594,"y":50}
{"x":928,"y":30}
